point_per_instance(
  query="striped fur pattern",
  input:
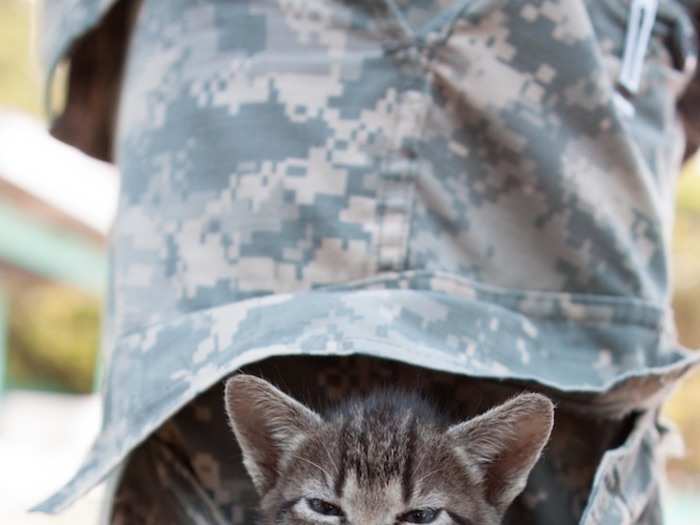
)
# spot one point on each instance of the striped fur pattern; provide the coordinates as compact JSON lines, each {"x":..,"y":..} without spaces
{"x":388,"y":458}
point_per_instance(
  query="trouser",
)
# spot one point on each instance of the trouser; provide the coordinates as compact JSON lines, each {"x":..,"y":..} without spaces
{"x":190,"y":470}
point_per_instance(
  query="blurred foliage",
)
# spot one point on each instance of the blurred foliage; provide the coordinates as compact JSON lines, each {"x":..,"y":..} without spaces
{"x":686,"y":255}
{"x":54,"y":338}
{"x":19,"y":73}
{"x":53,"y":329}
{"x":683,"y":406}
{"x":689,"y":188}
{"x":682,"y":409}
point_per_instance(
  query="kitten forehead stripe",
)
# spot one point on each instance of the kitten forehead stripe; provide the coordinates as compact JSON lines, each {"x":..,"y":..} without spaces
{"x":407,"y":483}
{"x":361,"y":471}
{"x":343,"y":468}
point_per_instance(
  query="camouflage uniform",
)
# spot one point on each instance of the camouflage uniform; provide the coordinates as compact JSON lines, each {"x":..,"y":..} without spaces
{"x":469,"y":195}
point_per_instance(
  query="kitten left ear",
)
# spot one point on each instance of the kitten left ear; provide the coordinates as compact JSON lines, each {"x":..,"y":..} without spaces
{"x":267,"y":424}
{"x":501,"y":446}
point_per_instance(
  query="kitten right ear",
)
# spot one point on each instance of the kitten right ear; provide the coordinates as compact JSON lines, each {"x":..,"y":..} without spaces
{"x":267,"y":423}
{"x":501,"y":446}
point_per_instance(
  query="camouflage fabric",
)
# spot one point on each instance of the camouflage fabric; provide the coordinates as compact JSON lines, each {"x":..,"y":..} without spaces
{"x":459,"y":186}
{"x":184,"y":475}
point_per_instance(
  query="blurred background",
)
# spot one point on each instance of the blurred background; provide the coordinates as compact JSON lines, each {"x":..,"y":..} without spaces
{"x":56,"y":206}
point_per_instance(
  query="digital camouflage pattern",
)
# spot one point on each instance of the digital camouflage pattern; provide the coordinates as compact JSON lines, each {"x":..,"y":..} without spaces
{"x":460,"y":186}
{"x":191,"y":470}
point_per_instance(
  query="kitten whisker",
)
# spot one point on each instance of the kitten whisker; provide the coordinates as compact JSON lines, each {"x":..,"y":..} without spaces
{"x":331,"y":459}
{"x":319,"y":467}
{"x":427,"y":475}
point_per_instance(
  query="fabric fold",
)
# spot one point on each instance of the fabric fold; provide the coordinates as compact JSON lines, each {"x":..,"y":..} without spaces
{"x":439,"y":322}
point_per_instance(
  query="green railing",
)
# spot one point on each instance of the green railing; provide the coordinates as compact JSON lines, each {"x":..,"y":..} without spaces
{"x":51,"y":253}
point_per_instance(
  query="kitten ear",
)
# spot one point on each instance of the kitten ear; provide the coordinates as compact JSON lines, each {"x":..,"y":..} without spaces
{"x":501,"y":446}
{"x":267,"y":423}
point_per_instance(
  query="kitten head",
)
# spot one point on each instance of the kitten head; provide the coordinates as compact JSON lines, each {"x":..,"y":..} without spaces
{"x":387,"y":458}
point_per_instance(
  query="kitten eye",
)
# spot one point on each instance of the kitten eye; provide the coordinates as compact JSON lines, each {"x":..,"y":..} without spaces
{"x":420,"y":516}
{"x":324,"y":508}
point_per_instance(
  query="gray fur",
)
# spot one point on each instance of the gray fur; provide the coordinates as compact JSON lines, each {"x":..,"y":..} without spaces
{"x":379,"y":457}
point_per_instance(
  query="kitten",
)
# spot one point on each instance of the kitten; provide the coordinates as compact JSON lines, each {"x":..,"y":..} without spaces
{"x":385,"y":459}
